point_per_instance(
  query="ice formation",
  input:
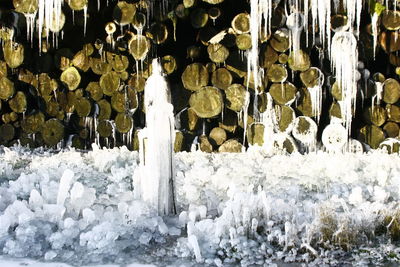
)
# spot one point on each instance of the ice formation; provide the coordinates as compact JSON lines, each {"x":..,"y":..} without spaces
{"x":344,"y":57}
{"x":79,"y":208}
{"x":157,"y":144}
{"x":49,"y":13}
{"x":321,"y":15}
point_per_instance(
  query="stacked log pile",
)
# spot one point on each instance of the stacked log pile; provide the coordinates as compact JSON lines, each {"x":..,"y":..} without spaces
{"x":83,"y":82}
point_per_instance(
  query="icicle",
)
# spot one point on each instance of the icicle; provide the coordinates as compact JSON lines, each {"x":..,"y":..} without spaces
{"x":305,"y":22}
{"x":321,"y":14}
{"x":353,"y":8}
{"x":267,"y":119}
{"x":316,"y":101}
{"x":374,"y":24}
{"x":85,"y":20}
{"x":30,"y":26}
{"x":344,"y":55}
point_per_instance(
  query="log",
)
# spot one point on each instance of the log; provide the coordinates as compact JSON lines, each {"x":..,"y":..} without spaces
{"x":207,"y":102}
{"x":123,"y":123}
{"x":139,"y":47}
{"x":218,"y":136}
{"x":77,"y":5}
{"x":83,"y":107}
{"x":124,"y":12}
{"x":268,"y":56}
{"x":391,"y":129}
{"x":169,"y":64}
{"x":255,"y":134}
{"x":13,"y":54}
{"x":285,"y":117}
{"x":371,"y":135}
{"x":283,"y":93}
{"x":198,"y":18}
{"x":18,"y":103}
{"x":221,"y":78}
{"x":7,"y":88}
{"x":33,"y":123}
{"x":393,"y":113}
{"x":241,"y":23}
{"x":375,"y":115}
{"x":7,"y":133}
{"x":391,"y":20}
{"x":195,"y":77}
{"x":52,"y":132}
{"x":118,"y":63}
{"x":243,"y":41}
{"x":231,"y":146}
{"x":205,"y":144}
{"x":104,"y":128}
{"x":312,"y":77}
{"x":99,"y":66}
{"x":391,"y":91}
{"x":217,"y":53}
{"x":193,"y":119}
{"x":299,"y":60}
{"x":280,"y":40}
{"x":71,"y":78}
{"x":104,"y":110}
{"x":81,"y":61}
{"x":26,"y":6}
{"x":137,"y":82}
{"x":236,"y":97}
{"x":95,"y":91}
{"x":109,"y":83}
{"x":277,"y":73}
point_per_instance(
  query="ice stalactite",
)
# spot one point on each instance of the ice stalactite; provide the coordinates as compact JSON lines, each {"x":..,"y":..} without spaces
{"x":157,"y":153}
{"x":353,"y":8}
{"x":374,"y":26}
{"x":260,"y":21}
{"x":344,"y":56}
{"x":49,"y":14}
{"x":295,"y":25}
{"x":267,"y":119}
{"x":30,"y":25}
{"x":321,"y":15}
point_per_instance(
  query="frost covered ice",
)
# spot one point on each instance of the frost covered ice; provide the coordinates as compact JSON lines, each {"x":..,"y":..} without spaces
{"x":247,"y":208}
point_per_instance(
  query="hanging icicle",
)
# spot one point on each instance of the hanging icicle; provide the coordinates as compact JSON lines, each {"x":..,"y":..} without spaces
{"x":50,"y":16}
{"x":344,"y":55}
{"x":353,"y":8}
{"x":321,"y":15}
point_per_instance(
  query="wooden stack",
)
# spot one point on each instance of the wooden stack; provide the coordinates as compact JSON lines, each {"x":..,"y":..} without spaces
{"x":90,"y":88}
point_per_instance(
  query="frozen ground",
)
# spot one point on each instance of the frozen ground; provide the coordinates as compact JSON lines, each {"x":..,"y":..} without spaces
{"x":72,"y":208}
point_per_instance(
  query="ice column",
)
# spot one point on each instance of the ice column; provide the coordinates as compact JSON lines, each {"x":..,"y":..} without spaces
{"x":157,"y":145}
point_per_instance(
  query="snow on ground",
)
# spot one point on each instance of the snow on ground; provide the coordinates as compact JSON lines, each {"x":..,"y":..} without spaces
{"x":78,"y":208}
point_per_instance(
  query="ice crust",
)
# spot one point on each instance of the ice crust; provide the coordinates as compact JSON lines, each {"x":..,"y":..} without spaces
{"x":248,"y":208}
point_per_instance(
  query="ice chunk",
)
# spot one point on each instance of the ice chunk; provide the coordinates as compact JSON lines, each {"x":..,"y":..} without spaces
{"x":50,"y":255}
{"x":192,"y":239}
{"x":173,"y":231}
{"x":183,"y":218}
{"x":88,"y":215}
{"x":356,"y":196}
{"x":163,"y":228}
{"x":35,"y":200}
{"x":82,"y":197}
{"x":53,"y":213}
{"x":145,"y":238}
{"x":65,"y":184}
